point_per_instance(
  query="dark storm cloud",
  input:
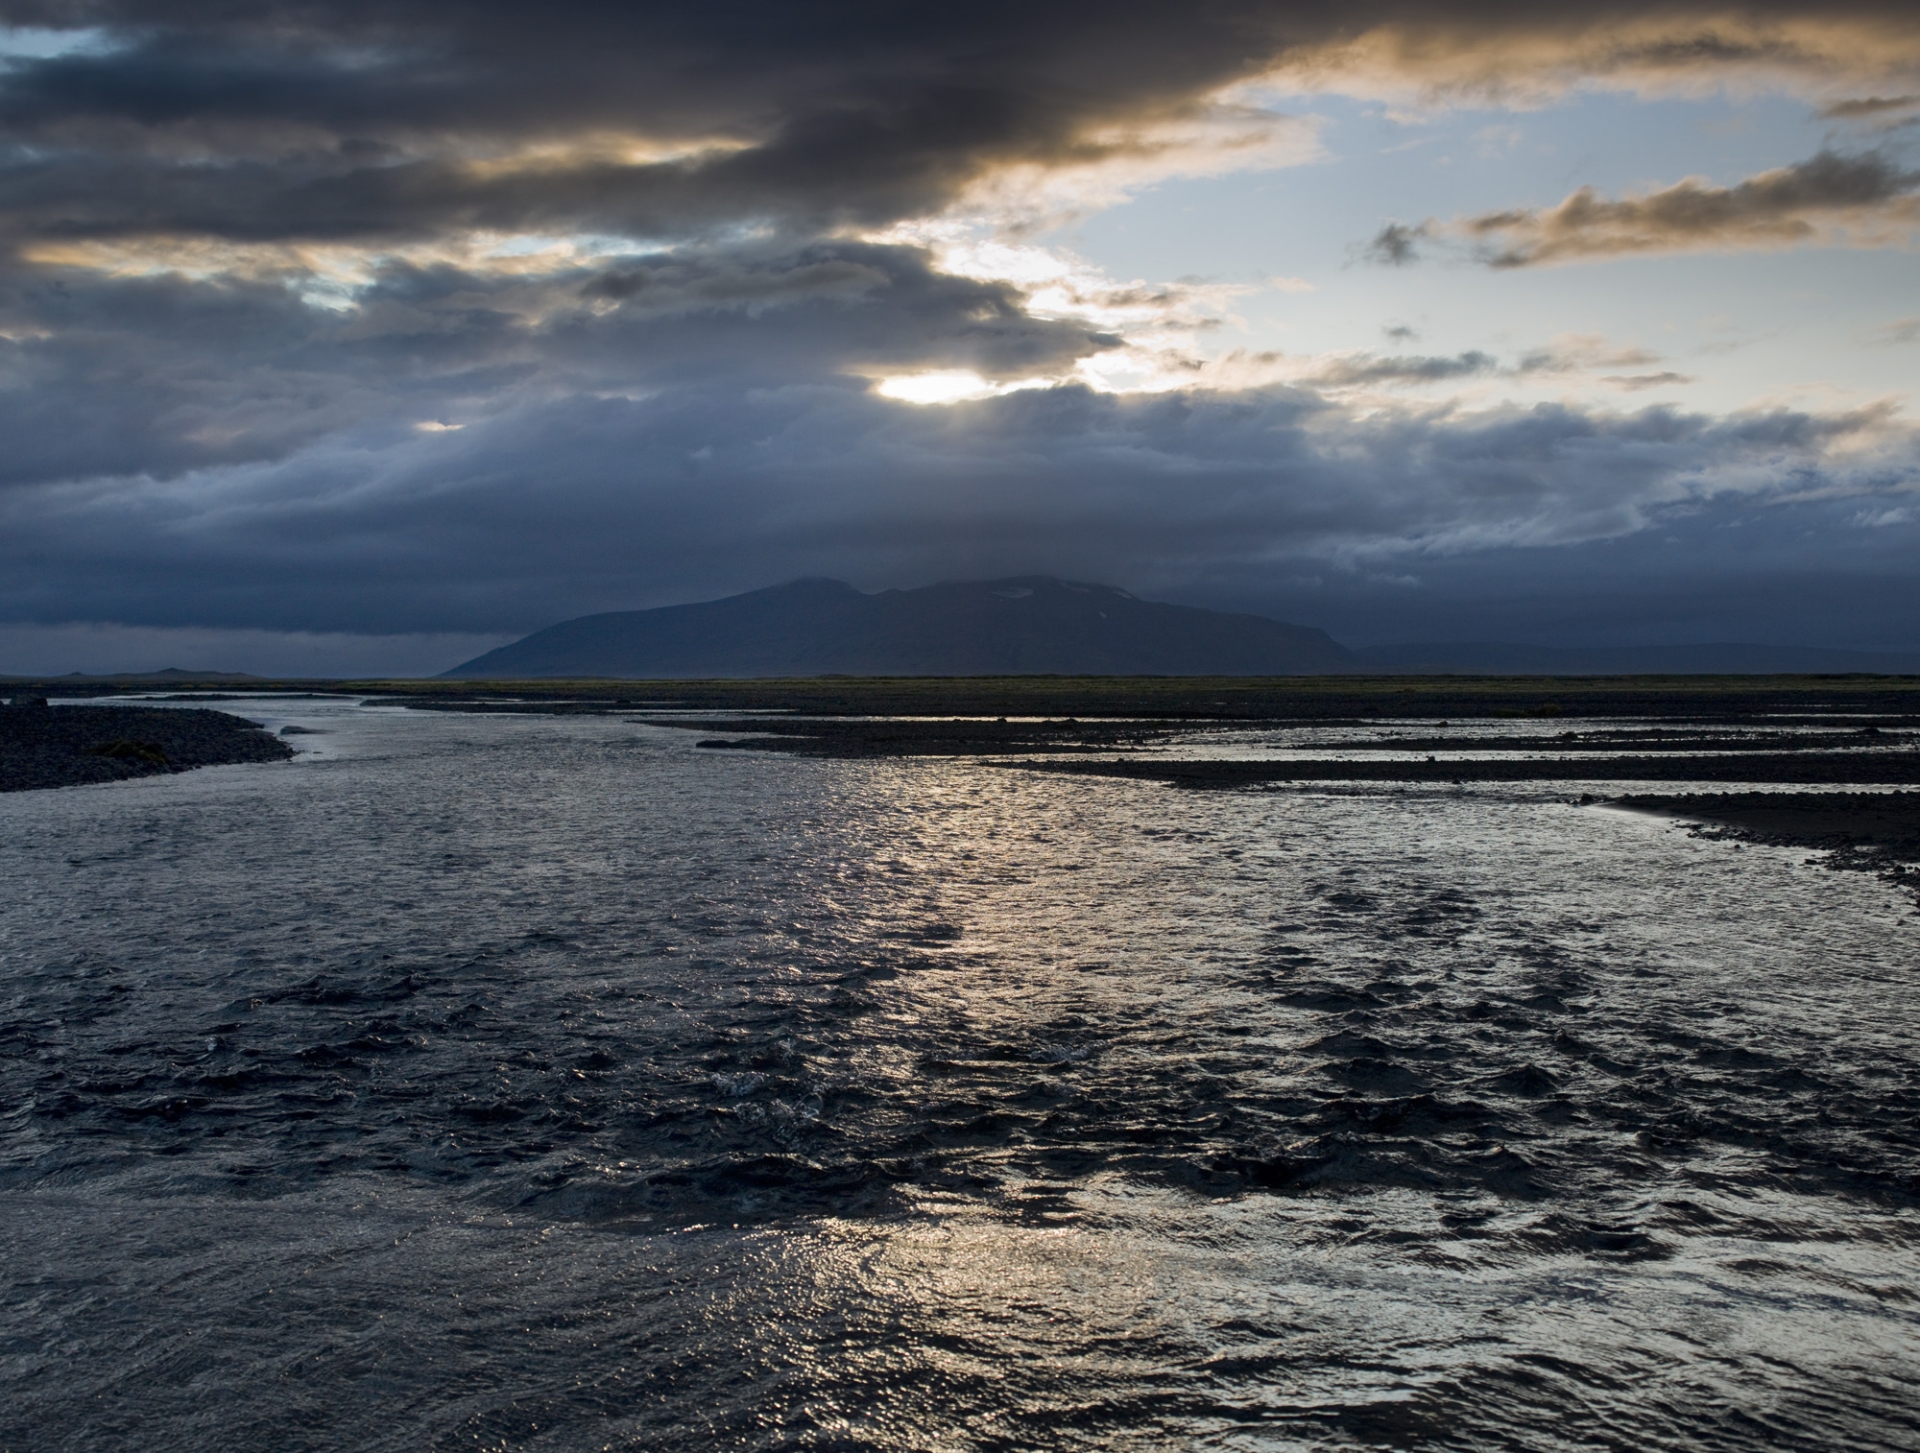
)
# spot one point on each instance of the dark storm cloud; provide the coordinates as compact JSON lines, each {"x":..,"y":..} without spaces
{"x":264,"y":362}
{"x":155,"y":376}
{"x":1718,"y":571}
{"x":581,"y":503}
{"x":674,"y":425}
{"x":404,"y":118}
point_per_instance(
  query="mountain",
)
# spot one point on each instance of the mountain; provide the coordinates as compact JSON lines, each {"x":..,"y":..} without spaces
{"x":1490,"y":658}
{"x":170,"y":676}
{"x":1029,"y":625}
{"x":1034,"y":625}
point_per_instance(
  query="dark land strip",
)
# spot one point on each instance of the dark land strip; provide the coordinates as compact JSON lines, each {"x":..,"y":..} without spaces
{"x":1829,"y":699}
{"x":1686,"y":747}
{"x":1855,"y":700}
{"x":1888,"y":768}
{"x":66,"y":746}
{"x":1888,"y":821}
{"x":1875,"y":832}
{"x":1086,"y":748}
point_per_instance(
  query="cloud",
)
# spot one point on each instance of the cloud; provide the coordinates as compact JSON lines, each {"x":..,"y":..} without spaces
{"x":1871,"y":108}
{"x":1582,"y":353}
{"x":1900,"y":330}
{"x":1514,"y":57}
{"x":1718,"y":570}
{"x":559,"y":506}
{"x":157,"y":376}
{"x":1633,"y":382}
{"x":1397,"y":244}
{"x":108,"y":648}
{"x":426,"y":316}
{"x":1572,"y":355}
{"x":1857,"y":200}
{"x":341,"y":122}
{"x":1360,"y":370}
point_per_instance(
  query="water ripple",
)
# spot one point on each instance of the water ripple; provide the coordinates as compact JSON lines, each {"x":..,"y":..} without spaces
{"x":550,"y":1083}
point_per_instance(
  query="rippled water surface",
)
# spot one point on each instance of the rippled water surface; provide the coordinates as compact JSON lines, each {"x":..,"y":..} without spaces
{"x":547,"y":1083}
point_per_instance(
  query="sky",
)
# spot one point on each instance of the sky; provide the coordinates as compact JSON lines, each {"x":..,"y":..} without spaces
{"x":342,"y":337}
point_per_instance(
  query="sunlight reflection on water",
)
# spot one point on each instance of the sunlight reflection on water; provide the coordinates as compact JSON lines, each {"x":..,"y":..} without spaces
{"x":545,"y":1083}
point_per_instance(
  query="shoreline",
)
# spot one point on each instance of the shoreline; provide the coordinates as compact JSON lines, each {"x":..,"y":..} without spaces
{"x":1861,"y":832}
{"x":45,"y":747}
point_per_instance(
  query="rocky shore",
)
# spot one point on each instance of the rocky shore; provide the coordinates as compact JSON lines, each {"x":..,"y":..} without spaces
{"x":65,"y":746}
{"x":1876,"y":832}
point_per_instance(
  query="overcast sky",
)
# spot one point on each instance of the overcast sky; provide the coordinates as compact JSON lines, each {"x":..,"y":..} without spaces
{"x":360,"y":336}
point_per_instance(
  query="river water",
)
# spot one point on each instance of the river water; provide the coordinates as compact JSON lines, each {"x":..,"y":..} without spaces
{"x":548,"y":1083}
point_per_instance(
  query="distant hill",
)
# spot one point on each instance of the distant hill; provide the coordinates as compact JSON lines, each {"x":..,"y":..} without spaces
{"x":170,"y":676}
{"x":1029,"y":625}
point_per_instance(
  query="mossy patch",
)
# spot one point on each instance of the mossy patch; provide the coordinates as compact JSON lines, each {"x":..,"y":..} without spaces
{"x":149,"y":753}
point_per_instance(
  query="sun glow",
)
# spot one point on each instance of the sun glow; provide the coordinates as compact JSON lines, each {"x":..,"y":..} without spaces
{"x":950,"y":387}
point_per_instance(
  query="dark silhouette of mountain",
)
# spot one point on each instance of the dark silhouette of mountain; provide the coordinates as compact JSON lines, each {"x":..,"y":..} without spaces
{"x":1030,"y":625}
{"x":170,"y":676}
{"x":1035,"y":625}
{"x":1492,"y":658}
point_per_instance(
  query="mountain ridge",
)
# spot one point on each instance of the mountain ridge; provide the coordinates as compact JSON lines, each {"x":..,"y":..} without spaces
{"x":1042,"y":625}
{"x":1019,"y":625}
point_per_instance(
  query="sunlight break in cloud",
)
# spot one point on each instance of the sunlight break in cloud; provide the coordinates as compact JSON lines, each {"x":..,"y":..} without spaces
{"x":948,"y":387}
{"x":1154,"y":328}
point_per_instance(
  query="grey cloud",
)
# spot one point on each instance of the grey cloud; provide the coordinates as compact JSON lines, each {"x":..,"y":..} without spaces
{"x":349,"y":119}
{"x":697,"y":416}
{"x":1871,"y":108}
{"x":1572,"y":354}
{"x":555,"y":508}
{"x":354,"y":121}
{"x":1353,"y":372}
{"x":1901,"y":330}
{"x":105,"y":648}
{"x":1777,"y":208}
{"x":1719,"y":571}
{"x":1397,"y":244}
{"x":1582,"y":352}
{"x":1633,"y":382}
{"x":159,"y":376}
